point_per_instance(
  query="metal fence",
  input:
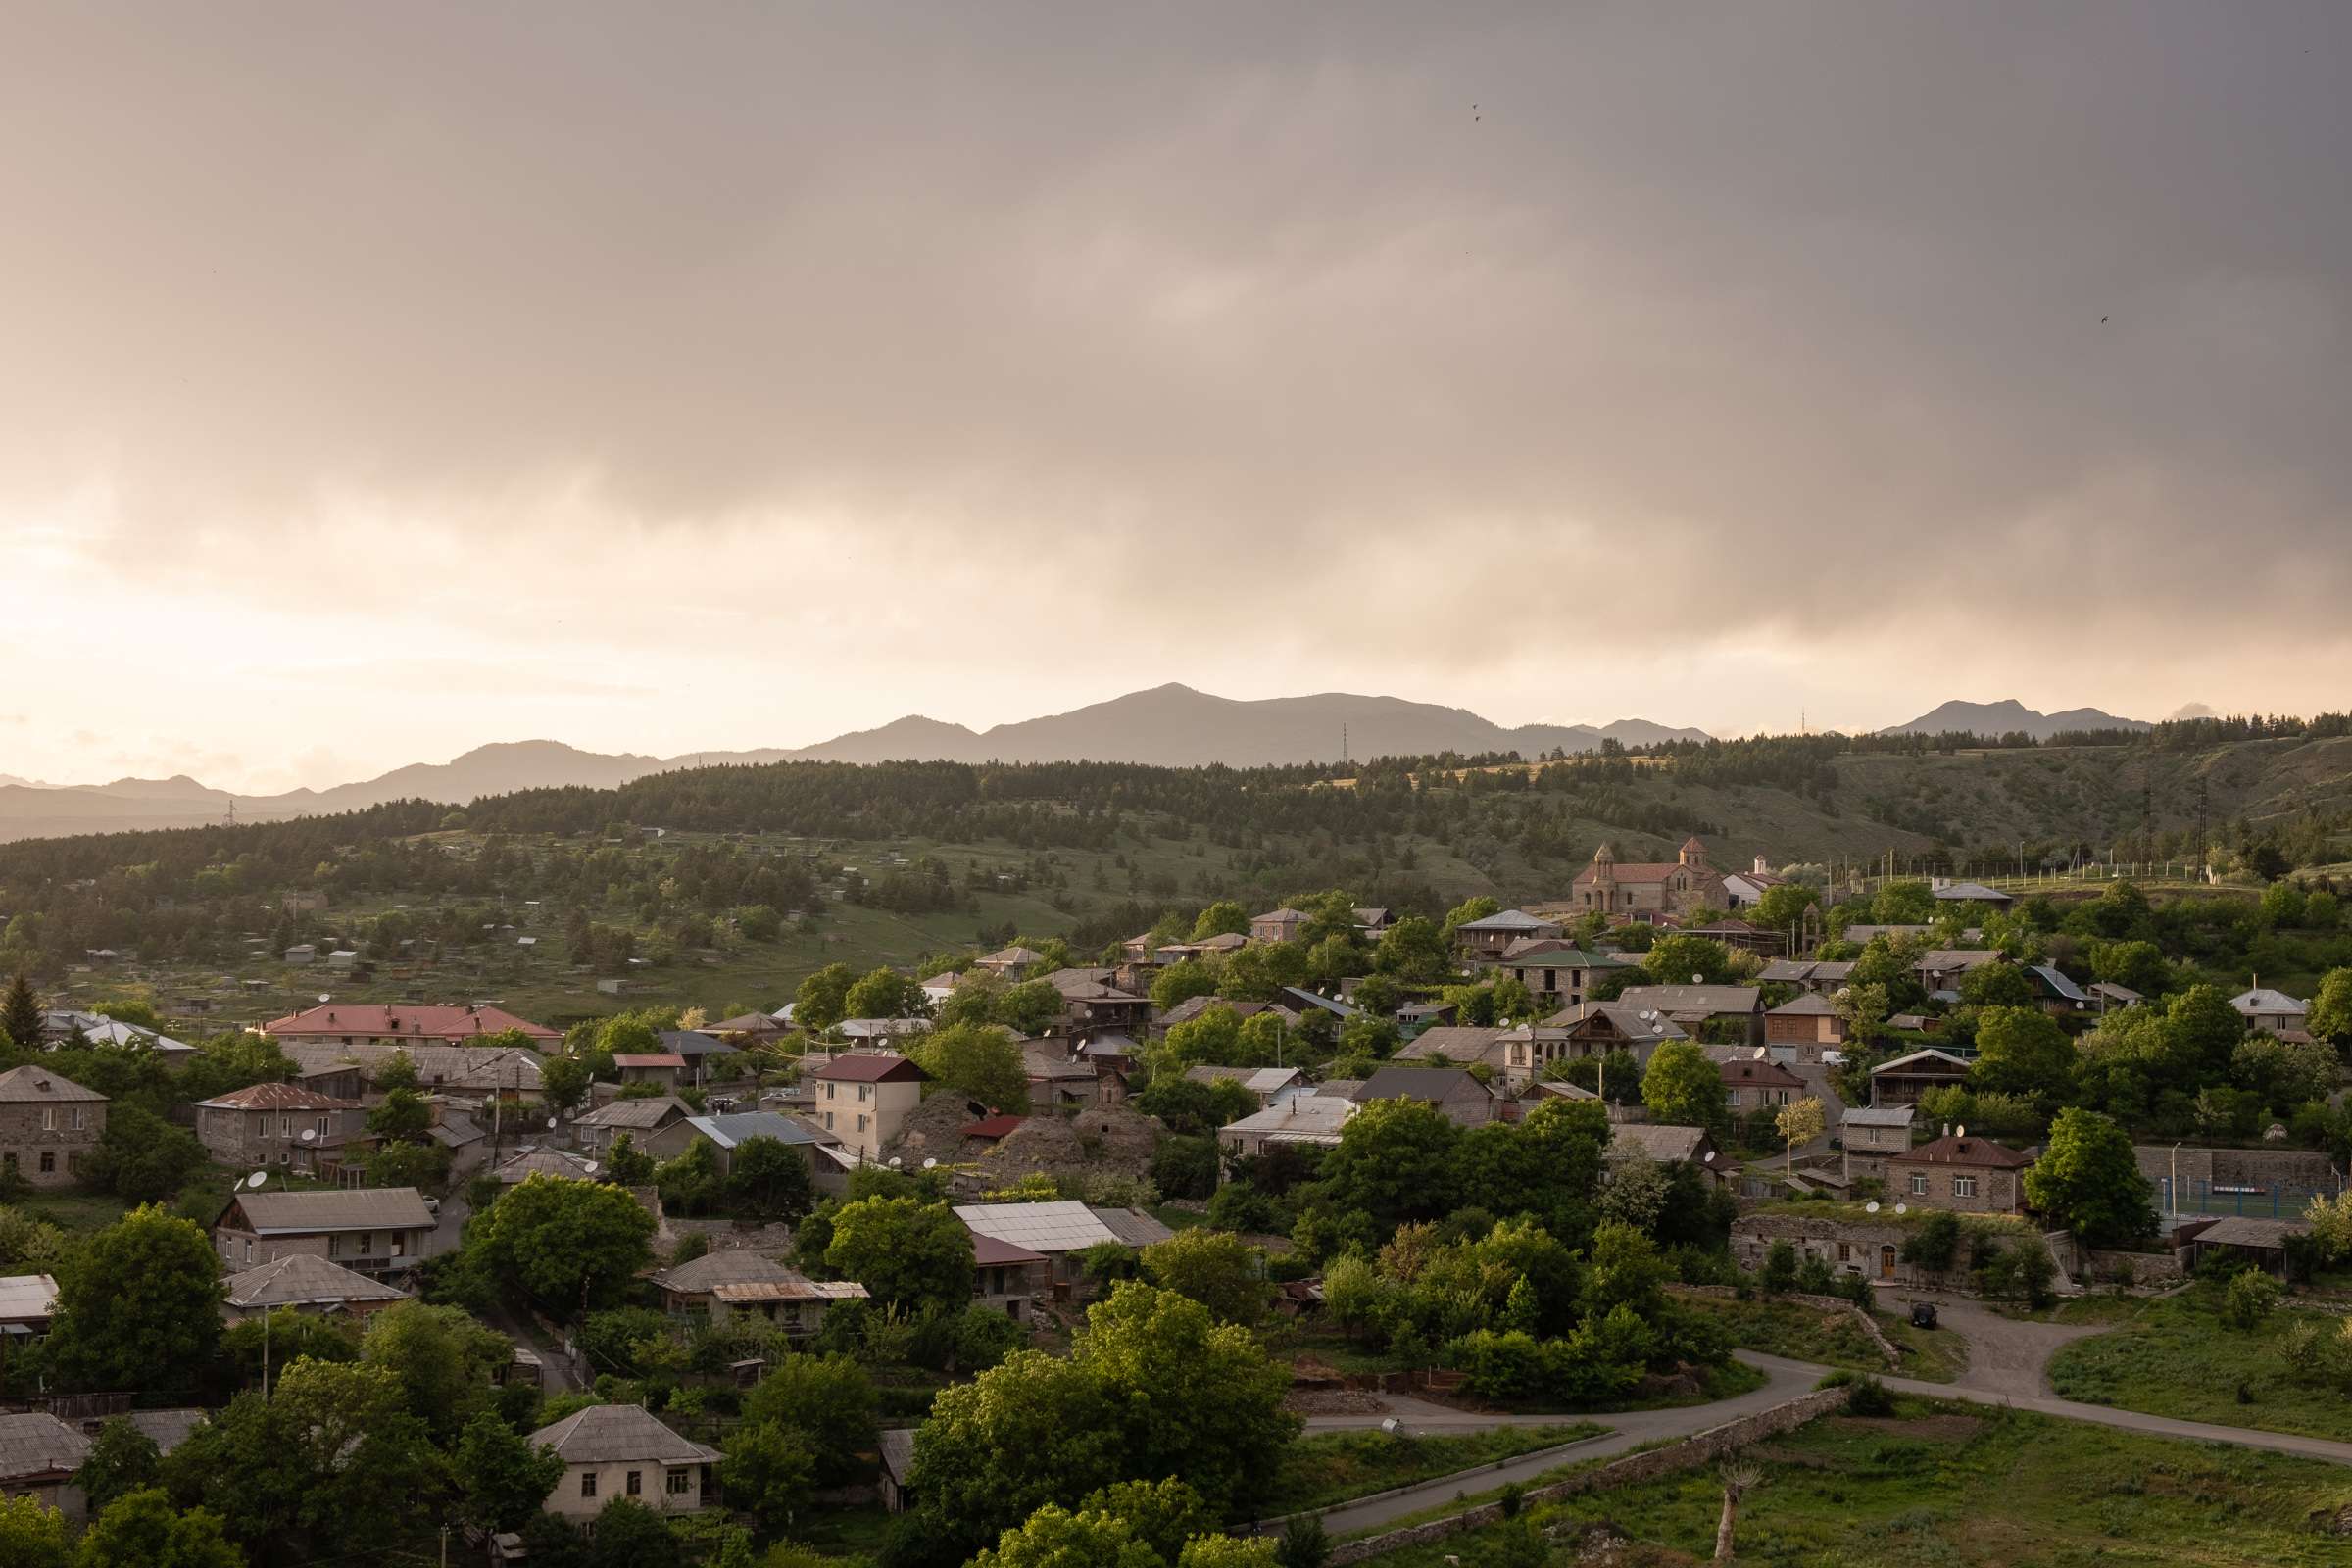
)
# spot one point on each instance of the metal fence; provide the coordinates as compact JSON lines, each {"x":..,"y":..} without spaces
{"x":2271,"y":1201}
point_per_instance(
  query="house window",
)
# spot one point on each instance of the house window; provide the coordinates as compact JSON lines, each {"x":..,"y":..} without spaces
{"x":48,"y":1118}
{"x":363,"y":1244}
{"x":861,"y":1121}
{"x":1845,"y":1252}
{"x":1919,"y":1186}
{"x":587,"y":1483}
{"x":636,"y":1482}
{"x":76,"y":1113}
{"x":48,"y":1162}
{"x":1964,"y":1187}
{"x":675,"y":1482}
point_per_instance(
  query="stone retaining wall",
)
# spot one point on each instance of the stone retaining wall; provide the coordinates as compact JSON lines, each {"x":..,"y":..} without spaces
{"x":2148,"y":1271}
{"x":1699,"y":1448}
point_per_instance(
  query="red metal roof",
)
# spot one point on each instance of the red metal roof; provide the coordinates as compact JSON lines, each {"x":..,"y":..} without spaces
{"x":993,"y":1126}
{"x":870,"y":1067}
{"x":647,"y":1059}
{"x":276,"y":1096}
{"x":990,"y":1252}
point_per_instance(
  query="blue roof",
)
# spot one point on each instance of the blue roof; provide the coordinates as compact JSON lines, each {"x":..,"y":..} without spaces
{"x":734,"y":1127}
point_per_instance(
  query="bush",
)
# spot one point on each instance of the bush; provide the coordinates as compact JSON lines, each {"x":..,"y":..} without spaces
{"x":2251,"y":1299}
{"x":1780,"y":1268}
{"x":1867,"y":1396}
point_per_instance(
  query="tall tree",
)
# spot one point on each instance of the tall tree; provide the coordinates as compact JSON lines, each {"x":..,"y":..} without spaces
{"x":2088,"y":1181}
{"x":20,"y":1016}
{"x":907,"y":1252}
{"x":138,"y":1307}
{"x":142,"y":1530}
{"x":501,"y":1479}
{"x":1681,"y":1086}
{"x":769,"y":1180}
{"x":571,"y":1246}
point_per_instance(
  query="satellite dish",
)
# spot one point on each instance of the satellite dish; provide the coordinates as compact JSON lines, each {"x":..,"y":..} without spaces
{"x":895,"y":1162}
{"x":930,"y":1165}
{"x":309,"y":1133}
{"x":1699,"y":979}
{"x":327,"y":995}
{"x":1960,"y":1131}
{"x":1902,"y":1209}
{"x":1871,"y":1207}
{"x":257,"y":1178}
{"x":1708,"y":1158}
{"x":551,"y":1122}
{"x":589,"y":1168}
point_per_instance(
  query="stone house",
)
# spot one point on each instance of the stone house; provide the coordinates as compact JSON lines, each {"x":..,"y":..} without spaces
{"x":741,"y":1284}
{"x":863,"y":1097}
{"x":641,"y":1118}
{"x":304,"y":1282}
{"x":1007,"y":1276}
{"x":1752,"y":1085}
{"x":1558,"y":974}
{"x":2271,"y":1011}
{"x":1465,"y":1101}
{"x":1943,"y":968}
{"x":1277,"y":925}
{"x":622,"y":1451}
{"x":663,"y":1069}
{"x":1732,"y":1012}
{"x":48,"y":1125}
{"x":1968,"y":1175}
{"x":1646,"y":889}
{"x":372,"y":1230}
{"x":1313,"y":1120}
{"x":1484,"y":940}
{"x":274,"y":1124}
{"x":39,"y":1458}
{"x":1872,"y":1134}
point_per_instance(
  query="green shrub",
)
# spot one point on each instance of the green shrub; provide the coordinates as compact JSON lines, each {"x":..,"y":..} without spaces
{"x":2251,"y":1299}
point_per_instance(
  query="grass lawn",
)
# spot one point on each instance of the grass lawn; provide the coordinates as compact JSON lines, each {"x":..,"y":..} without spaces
{"x":72,"y":1210}
{"x":1326,"y":1467}
{"x":1805,"y":1333}
{"x":843,"y":1531}
{"x":2173,"y":1355}
{"x":1963,"y":1486}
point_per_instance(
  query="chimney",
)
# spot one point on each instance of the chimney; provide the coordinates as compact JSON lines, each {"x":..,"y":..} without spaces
{"x":1761,"y":867}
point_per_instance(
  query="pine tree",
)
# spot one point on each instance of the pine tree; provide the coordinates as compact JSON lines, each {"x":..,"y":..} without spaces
{"x":21,"y":1015}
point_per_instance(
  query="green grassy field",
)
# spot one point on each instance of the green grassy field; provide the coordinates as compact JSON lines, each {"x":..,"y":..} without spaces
{"x":1328,"y":1467}
{"x":2174,"y":1355}
{"x":1804,"y":1333}
{"x":1958,"y":1486}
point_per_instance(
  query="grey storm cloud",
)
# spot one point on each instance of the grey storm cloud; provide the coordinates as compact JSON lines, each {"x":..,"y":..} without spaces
{"x":1803,"y":305}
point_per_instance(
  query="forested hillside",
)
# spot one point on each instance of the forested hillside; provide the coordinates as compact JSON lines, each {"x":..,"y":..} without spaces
{"x":897,"y":858}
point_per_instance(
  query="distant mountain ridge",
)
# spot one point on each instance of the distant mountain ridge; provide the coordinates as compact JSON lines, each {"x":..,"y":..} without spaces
{"x":1167,"y":726}
{"x":2010,"y":717}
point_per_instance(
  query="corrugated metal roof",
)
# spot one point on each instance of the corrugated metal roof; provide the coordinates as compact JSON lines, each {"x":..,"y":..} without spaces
{"x":1047,"y":1228}
{"x":364,"y":1208}
{"x":609,"y":1434}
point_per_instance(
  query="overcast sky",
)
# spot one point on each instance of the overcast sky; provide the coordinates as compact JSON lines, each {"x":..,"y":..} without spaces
{"x":377,"y":380}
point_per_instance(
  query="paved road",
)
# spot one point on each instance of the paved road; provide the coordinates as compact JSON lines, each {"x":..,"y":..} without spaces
{"x":2099,"y":1414}
{"x":1785,"y":1380}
